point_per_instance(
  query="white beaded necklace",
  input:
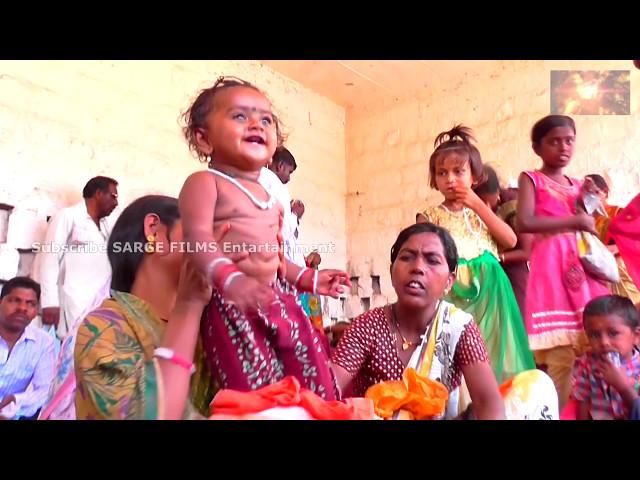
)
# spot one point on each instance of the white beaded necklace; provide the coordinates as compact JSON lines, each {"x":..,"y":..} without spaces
{"x":258,"y":203}
{"x":467,"y":220}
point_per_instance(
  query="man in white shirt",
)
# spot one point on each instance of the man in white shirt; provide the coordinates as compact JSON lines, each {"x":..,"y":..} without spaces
{"x":274,"y":180}
{"x":27,"y":357}
{"x":74,"y":264}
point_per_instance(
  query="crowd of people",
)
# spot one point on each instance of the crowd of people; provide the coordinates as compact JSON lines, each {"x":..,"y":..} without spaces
{"x":512,"y":303}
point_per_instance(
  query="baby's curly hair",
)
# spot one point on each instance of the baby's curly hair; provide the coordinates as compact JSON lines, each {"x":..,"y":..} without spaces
{"x":196,"y":115}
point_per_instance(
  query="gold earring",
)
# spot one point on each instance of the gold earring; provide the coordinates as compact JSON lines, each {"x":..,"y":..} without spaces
{"x":150,"y":246}
{"x":449,"y":286}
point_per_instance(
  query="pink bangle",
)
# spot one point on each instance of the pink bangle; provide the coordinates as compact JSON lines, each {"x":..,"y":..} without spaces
{"x":170,"y":355}
{"x":223,"y":275}
{"x":228,"y":281}
{"x":214,"y":264}
{"x":298,"y":283}
{"x":299,"y":276}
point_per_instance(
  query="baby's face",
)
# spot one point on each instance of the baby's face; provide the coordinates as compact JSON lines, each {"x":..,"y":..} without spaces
{"x":589,"y":186}
{"x":241,"y":129}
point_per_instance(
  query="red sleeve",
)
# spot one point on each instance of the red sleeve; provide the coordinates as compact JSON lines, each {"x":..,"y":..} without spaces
{"x":471,"y":348}
{"x":354,"y":346}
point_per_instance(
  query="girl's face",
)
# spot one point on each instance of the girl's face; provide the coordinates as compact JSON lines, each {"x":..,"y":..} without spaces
{"x":556,"y":147}
{"x":451,"y":171}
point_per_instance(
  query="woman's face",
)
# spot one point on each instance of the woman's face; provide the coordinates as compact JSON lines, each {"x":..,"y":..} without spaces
{"x":420,"y":274}
{"x":170,"y":247}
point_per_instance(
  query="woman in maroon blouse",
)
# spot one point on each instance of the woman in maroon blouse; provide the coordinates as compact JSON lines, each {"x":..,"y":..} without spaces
{"x":382,"y":342}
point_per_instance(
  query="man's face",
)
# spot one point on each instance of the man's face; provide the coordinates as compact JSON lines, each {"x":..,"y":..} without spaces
{"x":18,"y":308}
{"x":108,"y":200}
{"x":284,"y":171}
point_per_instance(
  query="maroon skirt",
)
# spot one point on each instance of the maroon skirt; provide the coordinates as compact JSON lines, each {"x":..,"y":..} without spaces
{"x":247,"y":352}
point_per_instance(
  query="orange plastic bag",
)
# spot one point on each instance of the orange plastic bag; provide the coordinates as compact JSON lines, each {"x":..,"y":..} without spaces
{"x":421,"y":397}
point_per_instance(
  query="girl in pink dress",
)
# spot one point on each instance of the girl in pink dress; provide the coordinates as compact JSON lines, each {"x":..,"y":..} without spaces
{"x":559,"y":288}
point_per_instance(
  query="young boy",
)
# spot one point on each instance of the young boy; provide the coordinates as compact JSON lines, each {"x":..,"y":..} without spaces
{"x":607,"y":377}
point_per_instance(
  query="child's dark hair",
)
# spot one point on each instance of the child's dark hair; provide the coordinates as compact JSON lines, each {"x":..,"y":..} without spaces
{"x":490,"y":185}
{"x":548,"y":123}
{"x":600,"y":182}
{"x":613,"y":305}
{"x":458,"y":141}
{"x":196,"y":115}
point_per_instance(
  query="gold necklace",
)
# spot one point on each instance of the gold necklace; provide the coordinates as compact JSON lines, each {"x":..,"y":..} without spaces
{"x":406,"y":344}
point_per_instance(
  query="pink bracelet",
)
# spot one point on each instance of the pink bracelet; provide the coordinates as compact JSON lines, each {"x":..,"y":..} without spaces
{"x":299,"y":276}
{"x":214,"y":264}
{"x":170,"y":355}
{"x":314,"y":280}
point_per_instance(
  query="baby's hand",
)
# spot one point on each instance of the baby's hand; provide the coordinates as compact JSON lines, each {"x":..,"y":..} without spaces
{"x":589,"y":186}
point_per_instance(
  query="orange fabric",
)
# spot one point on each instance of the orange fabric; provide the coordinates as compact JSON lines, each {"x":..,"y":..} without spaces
{"x":387,"y":397}
{"x":420,"y":396}
{"x":602,"y":222}
{"x":285,"y":393}
{"x":505,"y":387}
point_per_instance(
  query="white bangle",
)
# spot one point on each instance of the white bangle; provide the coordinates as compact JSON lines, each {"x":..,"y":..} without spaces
{"x":229,"y":279}
{"x":170,"y":355}
{"x":213,"y":264}
{"x":315,"y":283}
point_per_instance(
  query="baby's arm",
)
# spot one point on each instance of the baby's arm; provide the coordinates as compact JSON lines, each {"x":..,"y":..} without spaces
{"x":197,"y":206}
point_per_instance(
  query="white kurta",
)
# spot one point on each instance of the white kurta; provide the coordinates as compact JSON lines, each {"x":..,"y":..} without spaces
{"x":73,"y":263}
{"x":275,"y":187}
